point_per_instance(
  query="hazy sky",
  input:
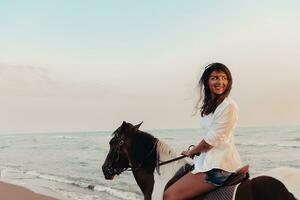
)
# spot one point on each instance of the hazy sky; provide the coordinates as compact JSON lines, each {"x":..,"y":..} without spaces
{"x":89,"y":65}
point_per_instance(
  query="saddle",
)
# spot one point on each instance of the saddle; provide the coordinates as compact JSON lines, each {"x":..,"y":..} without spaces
{"x":227,"y":190}
{"x":235,"y":178}
{"x":238,"y":176}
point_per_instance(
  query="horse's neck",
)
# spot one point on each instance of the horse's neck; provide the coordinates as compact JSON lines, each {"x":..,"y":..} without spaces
{"x":165,"y":172}
{"x":142,"y":148}
{"x":165,"y":152}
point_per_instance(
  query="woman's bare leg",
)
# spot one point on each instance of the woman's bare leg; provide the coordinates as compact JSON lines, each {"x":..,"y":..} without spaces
{"x":188,"y":186}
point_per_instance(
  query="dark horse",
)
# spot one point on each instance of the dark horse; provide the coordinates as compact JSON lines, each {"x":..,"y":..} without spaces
{"x":141,"y":152}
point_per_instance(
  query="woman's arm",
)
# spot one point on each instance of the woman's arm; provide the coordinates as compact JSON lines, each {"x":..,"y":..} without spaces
{"x":199,"y":148}
{"x":218,"y":132}
{"x":222,"y":126}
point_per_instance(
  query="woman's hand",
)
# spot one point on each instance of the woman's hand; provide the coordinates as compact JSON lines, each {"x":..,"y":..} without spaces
{"x":188,"y":153}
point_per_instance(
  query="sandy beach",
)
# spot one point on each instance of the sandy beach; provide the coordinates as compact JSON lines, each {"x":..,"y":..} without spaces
{"x":13,"y":192}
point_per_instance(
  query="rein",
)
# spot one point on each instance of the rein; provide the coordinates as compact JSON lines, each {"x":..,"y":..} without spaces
{"x":172,"y":160}
{"x":161,"y":163}
{"x":135,"y":168}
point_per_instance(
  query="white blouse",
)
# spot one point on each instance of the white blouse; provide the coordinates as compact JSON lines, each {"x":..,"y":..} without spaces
{"x":218,"y":130}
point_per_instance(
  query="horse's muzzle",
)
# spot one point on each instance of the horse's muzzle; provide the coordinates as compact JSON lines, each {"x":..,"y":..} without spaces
{"x":108,"y":172}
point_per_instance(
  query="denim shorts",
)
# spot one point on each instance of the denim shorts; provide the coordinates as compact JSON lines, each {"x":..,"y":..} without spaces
{"x":217,"y":176}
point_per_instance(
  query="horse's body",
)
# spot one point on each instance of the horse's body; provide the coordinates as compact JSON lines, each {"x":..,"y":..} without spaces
{"x":142,"y":152}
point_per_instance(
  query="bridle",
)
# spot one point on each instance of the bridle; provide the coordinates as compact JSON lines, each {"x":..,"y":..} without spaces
{"x":116,"y":154}
{"x":116,"y":157}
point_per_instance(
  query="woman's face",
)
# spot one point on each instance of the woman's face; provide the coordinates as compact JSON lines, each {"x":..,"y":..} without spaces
{"x":217,"y":83}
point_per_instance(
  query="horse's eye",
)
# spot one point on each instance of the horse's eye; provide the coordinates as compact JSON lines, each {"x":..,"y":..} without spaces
{"x":121,"y":142}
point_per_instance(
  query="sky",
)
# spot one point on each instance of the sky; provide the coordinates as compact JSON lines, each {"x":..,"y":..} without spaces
{"x":89,"y":65}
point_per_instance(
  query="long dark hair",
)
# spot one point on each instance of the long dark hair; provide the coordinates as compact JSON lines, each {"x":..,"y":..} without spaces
{"x":209,"y":104}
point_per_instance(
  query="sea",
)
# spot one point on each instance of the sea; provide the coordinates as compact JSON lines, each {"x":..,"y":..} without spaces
{"x":63,"y":165}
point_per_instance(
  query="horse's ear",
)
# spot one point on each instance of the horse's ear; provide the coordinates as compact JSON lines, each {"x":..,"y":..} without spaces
{"x":138,"y":125}
{"x":124,"y":124}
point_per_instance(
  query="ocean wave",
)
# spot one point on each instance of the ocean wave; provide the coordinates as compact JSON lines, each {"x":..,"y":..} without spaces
{"x":50,"y":177}
{"x":3,"y":172}
{"x":5,"y":169}
{"x":117,"y":193}
{"x":295,"y":139}
{"x":4,"y":147}
{"x":168,"y":138}
{"x":64,"y":137}
{"x":99,"y":188}
{"x":79,"y":196}
{"x":268,"y":144}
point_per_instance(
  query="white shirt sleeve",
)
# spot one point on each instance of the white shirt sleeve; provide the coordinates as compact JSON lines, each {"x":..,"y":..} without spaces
{"x":222,"y":126}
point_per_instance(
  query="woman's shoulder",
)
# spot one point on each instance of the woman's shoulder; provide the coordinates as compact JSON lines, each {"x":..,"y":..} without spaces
{"x":231,"y":103}
{"x":228,"y":103}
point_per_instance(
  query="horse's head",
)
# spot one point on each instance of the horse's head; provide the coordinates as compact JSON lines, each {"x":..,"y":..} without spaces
{"x":117,"y":160}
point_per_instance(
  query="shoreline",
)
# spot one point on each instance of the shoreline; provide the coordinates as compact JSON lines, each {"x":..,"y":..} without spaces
{"x":14,"y":192}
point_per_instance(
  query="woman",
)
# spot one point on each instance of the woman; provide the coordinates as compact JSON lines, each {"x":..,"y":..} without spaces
{"x":218,"y":154}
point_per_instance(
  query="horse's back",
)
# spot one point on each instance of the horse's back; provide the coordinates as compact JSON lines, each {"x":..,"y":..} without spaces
{"x":290,"y":177}
{"x":222,"y":193}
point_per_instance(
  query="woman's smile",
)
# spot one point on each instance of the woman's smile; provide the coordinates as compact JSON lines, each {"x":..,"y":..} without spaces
{"x":217,"y":82}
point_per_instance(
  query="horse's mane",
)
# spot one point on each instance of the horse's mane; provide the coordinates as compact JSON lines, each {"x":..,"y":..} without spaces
{"x":144,"y":144}
{"x":164,"y":148}
{"x":166,"y":152}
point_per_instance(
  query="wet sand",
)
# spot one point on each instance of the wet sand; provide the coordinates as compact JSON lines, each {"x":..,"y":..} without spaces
{"x":13,"y":192}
